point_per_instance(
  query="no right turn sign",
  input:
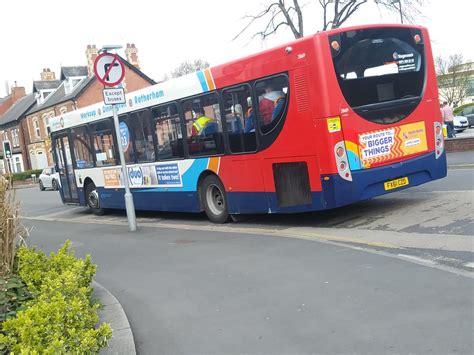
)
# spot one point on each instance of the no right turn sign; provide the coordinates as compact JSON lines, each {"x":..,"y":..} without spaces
{"x":109,"y":69}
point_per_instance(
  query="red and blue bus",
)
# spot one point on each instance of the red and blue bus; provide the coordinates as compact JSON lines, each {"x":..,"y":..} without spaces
{"x":325,"y":121}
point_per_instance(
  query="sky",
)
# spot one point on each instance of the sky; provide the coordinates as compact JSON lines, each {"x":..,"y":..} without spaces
{"x":51,"y":33}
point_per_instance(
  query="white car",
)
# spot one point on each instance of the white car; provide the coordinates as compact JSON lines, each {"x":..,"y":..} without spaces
{"x":460,"y":123}
{"x":49,"y":178}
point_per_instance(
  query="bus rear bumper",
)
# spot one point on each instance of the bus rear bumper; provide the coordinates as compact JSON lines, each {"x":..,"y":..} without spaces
{"x":370,"y":183}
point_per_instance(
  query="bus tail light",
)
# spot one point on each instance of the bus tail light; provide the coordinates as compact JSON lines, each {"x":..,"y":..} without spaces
{"x":342,"y":162}
{"x":439,"y":139}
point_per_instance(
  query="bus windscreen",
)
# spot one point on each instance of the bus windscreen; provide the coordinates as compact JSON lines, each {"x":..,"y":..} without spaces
{"x":380,"y":71}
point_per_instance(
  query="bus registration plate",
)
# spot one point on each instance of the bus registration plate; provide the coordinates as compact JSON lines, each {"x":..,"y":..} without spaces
{"x":393,"y":184}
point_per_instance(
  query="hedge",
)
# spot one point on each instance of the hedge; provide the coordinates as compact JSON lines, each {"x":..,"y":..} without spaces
{"x":26,"y":174}
{"x":61,"y":318}
{"x":458,"y":109}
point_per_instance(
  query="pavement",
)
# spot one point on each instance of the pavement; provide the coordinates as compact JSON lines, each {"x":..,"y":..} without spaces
{"x":113,"y":313}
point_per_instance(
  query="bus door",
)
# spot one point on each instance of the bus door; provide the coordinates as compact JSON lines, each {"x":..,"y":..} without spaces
{"x":64,"y":166}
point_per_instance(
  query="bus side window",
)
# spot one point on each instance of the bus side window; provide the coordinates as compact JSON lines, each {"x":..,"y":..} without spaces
{"x":203,"y":124}
{"x":125,"y":140}
{"x":239,"y":117}
{"x":142,"y":134}
{"x":103,"y":142}
{"x":169,"y":138}
{"x":82,"y":149}
{"x":272,"y":97}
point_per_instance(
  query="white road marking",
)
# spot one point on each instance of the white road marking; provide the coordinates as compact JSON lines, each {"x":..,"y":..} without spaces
{"x":417,"y":259}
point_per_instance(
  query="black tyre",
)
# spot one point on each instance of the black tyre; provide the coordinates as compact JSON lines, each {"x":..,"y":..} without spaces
{"x":92,"y":200}
{"x":41,"y":186}
{"x":214,"y":199}
{"x":55,"y":185}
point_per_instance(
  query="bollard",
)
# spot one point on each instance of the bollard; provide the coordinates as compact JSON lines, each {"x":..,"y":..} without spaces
{"x":33,"y":176}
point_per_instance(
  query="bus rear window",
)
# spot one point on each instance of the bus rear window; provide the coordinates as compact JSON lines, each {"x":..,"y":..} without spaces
{"x":380,"y":71}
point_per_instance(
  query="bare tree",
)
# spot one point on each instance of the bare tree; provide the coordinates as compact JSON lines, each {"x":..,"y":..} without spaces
{"x":188,"y":67}
{"x":409,"y":10}
{"x":276,"y":15}
{"x":453,"y":78}
{"x":334,"y":13}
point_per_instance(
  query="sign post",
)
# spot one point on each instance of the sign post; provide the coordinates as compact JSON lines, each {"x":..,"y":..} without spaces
{"x":109,"y":70}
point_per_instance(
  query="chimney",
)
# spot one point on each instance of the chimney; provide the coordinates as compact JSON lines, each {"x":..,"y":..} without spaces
{"x":131,"y":55}
{"x":17,"y":92}
{"x":91,"y":54}
{"x":47,"y":75}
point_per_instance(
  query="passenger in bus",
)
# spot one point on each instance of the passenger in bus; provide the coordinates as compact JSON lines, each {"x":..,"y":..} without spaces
{"x":203,"y":125}
{"x":249,"y":117}
{"x":270,"y":107}
{"x":234,"y":119}
{"x":270,"y":104}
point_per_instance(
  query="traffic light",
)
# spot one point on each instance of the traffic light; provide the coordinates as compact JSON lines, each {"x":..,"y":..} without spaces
{"x":7,"y":150}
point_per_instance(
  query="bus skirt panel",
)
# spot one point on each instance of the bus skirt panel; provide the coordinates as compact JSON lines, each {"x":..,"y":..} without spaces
{"x":169,"y":201}
{"x":336,"y":192}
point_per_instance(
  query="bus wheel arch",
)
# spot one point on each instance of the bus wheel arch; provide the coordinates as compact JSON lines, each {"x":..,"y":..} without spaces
{"x":212,"y":197}
{"x":92,"y":197}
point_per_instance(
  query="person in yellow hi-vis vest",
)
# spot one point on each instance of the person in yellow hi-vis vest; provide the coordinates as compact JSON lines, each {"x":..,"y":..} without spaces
{"x":203,"y":124}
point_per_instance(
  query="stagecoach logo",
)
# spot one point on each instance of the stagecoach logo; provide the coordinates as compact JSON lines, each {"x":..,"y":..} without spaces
{"x":61,"y":122}
{"x":135,"y":175}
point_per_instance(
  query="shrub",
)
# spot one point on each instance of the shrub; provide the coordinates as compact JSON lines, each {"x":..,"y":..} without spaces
{"x":13,"y":293}
{"x":458,"y":109}
{"x":26,"y":174}
{"x":61,"y":318}
{"x":39,"y":271}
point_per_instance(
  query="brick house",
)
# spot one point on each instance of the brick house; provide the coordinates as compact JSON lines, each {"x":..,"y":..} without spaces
{"x":12,"y":109}
{"x":76,"y":88}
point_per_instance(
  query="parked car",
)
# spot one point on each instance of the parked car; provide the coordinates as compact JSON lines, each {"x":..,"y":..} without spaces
{"x":49,"y":178}
{"x":460,"y":123}
{"x":468,"y":112}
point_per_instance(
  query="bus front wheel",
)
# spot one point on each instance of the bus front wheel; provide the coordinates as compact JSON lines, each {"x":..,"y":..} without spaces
{"x":92,"y":200}
{"x":214,"y":199}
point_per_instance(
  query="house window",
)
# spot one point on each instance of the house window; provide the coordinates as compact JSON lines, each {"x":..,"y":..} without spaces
{"x":17,"y":164}
{"x":63,"y":110}
{"x":36,"y":128}
{"x":15,"y":138}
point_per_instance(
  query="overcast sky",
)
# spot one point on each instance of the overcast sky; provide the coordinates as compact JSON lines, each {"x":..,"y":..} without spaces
{"x":50,"y":33}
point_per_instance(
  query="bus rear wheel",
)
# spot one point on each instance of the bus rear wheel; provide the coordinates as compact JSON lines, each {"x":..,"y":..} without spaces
{"x":214,"y":199}
{"x":92,"y":200}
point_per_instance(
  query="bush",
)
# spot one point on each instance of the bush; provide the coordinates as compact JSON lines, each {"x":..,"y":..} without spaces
{"x":13,"y":294}
{"x":26,"y":174}
{"x":61,"y":318}
{"x":458,"y":109}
